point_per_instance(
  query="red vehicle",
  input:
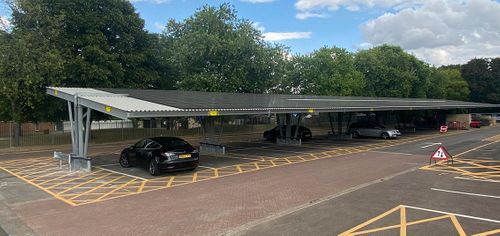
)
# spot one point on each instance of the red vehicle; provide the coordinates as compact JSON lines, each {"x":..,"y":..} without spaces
{"x":475,"y":124}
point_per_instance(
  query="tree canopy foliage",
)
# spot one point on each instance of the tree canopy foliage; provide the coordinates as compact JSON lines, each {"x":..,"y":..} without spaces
{"x":327,"y":71}
{"x":86,"y":43}
{"x":483,"y":76}
{"x":214,"y":50}
{"x":390,"y":71}
{"x":102,"y":43}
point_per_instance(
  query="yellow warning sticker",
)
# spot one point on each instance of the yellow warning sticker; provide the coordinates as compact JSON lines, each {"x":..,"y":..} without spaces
{"x":213,"y":113}
{"x":310,"y":110}
{"x":56,"y":92}
{"x":109,"y":109}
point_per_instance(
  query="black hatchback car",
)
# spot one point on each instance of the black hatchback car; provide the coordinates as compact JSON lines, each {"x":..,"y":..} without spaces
{"x":160,"y":154}
{"x":272,"y":134}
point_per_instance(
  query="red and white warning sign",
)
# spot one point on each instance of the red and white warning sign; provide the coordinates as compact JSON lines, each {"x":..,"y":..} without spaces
{"x":443,"y":129}
{"x":441,"y":154}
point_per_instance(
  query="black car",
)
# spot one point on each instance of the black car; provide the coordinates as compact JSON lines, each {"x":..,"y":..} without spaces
{"x":160,"y":154}
{"x":272,"y":134}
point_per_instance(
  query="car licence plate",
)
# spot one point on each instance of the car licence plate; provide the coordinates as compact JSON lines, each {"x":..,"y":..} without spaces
{"x":185,"y":156}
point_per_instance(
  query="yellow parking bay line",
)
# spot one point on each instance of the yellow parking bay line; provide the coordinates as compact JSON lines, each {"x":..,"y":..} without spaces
{"x":102,"y":184}
{"x":403,"y":223}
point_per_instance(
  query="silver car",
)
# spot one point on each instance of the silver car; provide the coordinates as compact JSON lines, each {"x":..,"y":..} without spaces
{"x":372,"y":129}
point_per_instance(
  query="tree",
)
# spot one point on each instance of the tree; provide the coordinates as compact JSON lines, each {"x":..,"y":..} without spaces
{"x":390,"y":71}
{"x":213,"y":50}
{"x":327,"y":71}
{"x":483,"y":76}
{"x":447,"y":83}
{"x":27,"y":65}
{"x":103,"y":41}
{"x":456,"y":87}
{"x":97,"y":43}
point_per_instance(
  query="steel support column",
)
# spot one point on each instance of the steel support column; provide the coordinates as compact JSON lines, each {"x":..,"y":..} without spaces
{"x":72,"y":126}
{"x":80,"y":133}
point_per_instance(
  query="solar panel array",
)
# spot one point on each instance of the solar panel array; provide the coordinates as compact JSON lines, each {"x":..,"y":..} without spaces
{"x":218,"y":100}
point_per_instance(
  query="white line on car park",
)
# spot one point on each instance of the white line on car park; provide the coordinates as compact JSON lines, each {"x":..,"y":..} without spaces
{"x":450,"y":213}
{"x":483,"y":180}
{"x":121,"y":173}
{"x":398,"y":153}
{"x":430,"y":145}
{"x":112,"y":164}
{"x":206,"y":167}
{"x":465,"y":193}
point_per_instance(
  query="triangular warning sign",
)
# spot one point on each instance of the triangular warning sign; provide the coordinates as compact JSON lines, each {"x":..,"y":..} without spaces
{"x":441,"y":154}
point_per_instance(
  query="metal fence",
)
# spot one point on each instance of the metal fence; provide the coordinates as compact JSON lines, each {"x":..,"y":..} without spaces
{"x":47,"y":134}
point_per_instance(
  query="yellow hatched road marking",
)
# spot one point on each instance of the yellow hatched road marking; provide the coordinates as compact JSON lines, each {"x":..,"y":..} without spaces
{"x":402,"y":217}
{"x":40,"y":187}
{"x":96,"y":188}
{"x":18,"y":168}
{"x":457,"y":225}
{"x":73,"y":179}
{"x":488,"y":233}
{"x":169,"y":183}
{"x":84,"y":183}
{"x":45,"y":175}
{"x":195,"y":176}
{"x":403,"y":223}
{"x":116,"y":189}
{"x":59,"y":177}
{"x":362,"y":225}
{"x":142,"y":186}
{"x":256,"y":165}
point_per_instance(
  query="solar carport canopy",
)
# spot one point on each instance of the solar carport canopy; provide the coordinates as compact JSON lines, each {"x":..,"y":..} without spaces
{"x":148,"y":103}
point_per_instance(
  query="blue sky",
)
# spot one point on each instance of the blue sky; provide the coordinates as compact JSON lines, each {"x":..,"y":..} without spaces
{"x":440,"y":32}
{"x":339,"y":28}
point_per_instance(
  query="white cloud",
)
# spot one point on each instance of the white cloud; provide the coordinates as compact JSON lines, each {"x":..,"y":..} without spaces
{"x":441,"y":32}
{"x":159,"y":26}
{"x":259,"y":26}
{"x":306,"y":15}
{"x":257,"y":1}
{"x":353,"y":5}
{"x":280,"y":36}
{"x":4,"y":23}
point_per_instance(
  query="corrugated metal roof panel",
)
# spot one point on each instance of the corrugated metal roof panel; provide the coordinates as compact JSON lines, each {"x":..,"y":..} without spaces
{"x":129,"y":104}
{"x":74,"y":91}
{"x":247,"y":101}
{"x":159,"y":103}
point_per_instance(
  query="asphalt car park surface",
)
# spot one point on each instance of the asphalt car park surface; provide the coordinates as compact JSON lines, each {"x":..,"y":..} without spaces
{"x":258,"y":188}
{"x":437,"y":202}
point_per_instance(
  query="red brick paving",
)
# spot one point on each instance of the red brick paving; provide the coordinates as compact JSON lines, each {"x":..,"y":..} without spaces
{"x":214,"y":206}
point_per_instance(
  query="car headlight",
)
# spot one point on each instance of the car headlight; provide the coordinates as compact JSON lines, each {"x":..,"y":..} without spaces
{"x":195,"y":151}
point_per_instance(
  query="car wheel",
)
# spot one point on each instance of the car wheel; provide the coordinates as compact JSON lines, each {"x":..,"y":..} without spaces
{"x":124,"y":161}
{"x":384,"y":136}
{"x":355,"y":134}
{"x":153,"y":167}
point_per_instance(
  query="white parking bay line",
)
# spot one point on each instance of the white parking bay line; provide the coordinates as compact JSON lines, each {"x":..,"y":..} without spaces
{"x":208,"y":167}
{"x":121,"y":173}
{"x":465,"y":193}
{"x":450,"y":213}
{"x":482,"y":180}
{"x":112,"y":164}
